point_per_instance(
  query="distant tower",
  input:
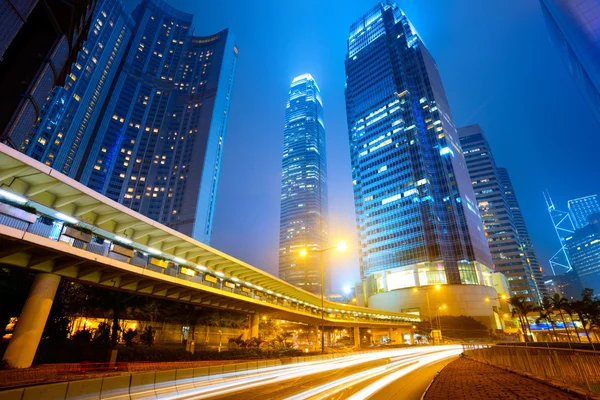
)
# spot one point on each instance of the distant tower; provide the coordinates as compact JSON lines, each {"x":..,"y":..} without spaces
{"x":563,"y":226}
{"x":498,"y":213}
{"x":303,"y":221}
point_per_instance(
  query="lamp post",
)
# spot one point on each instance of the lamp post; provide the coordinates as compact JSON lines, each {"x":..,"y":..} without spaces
{"x":426,"y":289}
{"x":341,"y":246}
{"x":443,"y":307}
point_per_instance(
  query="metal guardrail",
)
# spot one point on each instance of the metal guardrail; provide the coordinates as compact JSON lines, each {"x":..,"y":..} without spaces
{"x":567,"y":367}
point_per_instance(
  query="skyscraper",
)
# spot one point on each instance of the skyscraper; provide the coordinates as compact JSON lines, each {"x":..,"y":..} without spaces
{"x":572,"y":25}
{"x":39,"y":41}
{"x":582,"y":208}
{"x":584,"y":250}
{"x":153,"y":139}
{"x":495,"y":209}
{"x":303,"y":219}
{"x":62,"y":133}
{"x":526,"y":242}
{"x":417,"y":218}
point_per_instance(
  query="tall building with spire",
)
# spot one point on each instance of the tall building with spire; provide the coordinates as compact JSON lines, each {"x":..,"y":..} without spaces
{"x":303,"y":218}
{"x":143,"y":117}
{"x":416,"y":213}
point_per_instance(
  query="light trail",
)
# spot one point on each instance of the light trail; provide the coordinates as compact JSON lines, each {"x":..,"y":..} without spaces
{"x":401,"y":362}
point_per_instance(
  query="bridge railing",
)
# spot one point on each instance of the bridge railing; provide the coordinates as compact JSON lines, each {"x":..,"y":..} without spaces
{"x":95,"y":242}
{"x":564,"y":367}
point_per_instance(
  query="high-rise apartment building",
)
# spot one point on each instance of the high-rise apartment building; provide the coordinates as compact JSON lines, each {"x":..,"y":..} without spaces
{"x":498,"y":219}
{"x":153,"y":139}
{"x":303,"y":219}
{"x":417,"y":217}
{"x":582,"y":208}
{"x":62,"y":133}
{"x":526,"y":242}
{"x":39,"y":41}
{"x":572,"y":25}
{"x":584,"y":250}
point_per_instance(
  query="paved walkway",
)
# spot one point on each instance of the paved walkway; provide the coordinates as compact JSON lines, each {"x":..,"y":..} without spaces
{"x":472,"y":380}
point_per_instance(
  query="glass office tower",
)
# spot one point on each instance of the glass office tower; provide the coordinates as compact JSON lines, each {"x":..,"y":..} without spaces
{"x":303,"y":219}
{"x":572,"y":25}
{"x":496,"y":212}
{"x":143,"y":116}
{"x":581,"y":209}
{"x":584,"y":250}
{"x":416,"y":213}
{"x":73,"y":109}
{"x":526,"y":242}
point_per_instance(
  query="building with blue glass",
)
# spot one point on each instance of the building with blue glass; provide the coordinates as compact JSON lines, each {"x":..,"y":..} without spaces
{"x":584,"y":251}
{"x":303,"y":216}
{"x":526,"y":242}
{"x":66,"y":119}
{"x":416,"y":213}
{"x":144,"y":116}
{"x":573,"y":28}
{"x":582,"y":208}
{"x":499,"y":208}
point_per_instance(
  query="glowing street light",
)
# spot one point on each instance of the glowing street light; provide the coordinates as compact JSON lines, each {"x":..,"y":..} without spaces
{"x":341,"y":246}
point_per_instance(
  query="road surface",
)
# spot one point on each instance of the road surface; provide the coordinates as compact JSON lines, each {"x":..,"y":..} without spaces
{"x":389,"y":374}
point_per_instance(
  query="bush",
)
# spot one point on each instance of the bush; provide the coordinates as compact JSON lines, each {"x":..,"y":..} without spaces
{"x":102,"y":334}
{"x":128,"y":337}
{"x":148,"y":336}
{"x":83,"y":336}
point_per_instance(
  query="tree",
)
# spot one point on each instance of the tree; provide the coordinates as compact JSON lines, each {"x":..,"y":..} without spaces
{"x":546,"y":314}
{"x":521,"y":308}
{"x":558,"y":303}
{"x":148,"y":336}
{"x":570,"y":310}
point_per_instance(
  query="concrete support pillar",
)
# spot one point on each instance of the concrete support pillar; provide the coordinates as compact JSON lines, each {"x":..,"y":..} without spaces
{"x":412,"y":336}
{"x":28,"y":332}
{"x":254,"y":322}
{"x":356,"y":337}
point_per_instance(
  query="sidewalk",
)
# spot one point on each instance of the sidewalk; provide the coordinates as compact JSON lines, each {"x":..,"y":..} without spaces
{"x":473,"y":380}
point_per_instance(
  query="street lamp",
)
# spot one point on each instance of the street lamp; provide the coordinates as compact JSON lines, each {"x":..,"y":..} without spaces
{"x":426,"y":289}
{"x":341,"y":246}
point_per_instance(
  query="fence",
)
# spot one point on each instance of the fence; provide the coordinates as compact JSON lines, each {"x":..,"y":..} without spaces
{"x":566,"y":367}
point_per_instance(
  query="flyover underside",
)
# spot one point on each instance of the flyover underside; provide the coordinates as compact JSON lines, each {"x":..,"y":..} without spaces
{"x":37,"y":253}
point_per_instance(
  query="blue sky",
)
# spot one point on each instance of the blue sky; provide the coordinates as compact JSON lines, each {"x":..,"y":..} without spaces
{"x":499,"y":70}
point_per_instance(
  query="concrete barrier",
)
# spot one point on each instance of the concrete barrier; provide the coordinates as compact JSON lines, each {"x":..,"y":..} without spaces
{"x":199,"y":373}
{"x":252,"y":366}
{"x":12,"y":394}
{"x":88,"y":389}
{"x":53,"y":391}
{"x":142,"y":386}
{"x":115,"y":387}
{"x":162,"y":382}
{"x":241,"y":369}
{"x":184,"y":380}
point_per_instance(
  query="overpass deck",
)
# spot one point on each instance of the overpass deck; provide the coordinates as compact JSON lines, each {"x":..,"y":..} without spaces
{"x":51,"y":223}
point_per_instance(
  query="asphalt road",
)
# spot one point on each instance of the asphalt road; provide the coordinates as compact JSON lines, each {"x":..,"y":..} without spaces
{"x":393,"y":374}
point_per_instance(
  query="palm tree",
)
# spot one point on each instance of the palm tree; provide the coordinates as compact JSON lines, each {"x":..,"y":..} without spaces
{"x":580,"y":308}
{"x":558,"y":303}
{"x":546,"y":314}
{"x":568,"y":307}
{"x":521,"y":308}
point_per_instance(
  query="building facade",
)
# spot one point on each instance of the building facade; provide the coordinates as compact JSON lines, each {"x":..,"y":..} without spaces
{"x":526,"y":242}
{"x":416,"y":213}
{"x":582,"y":208}
{"x":572,"y":25}
{"x":497,"y":214}
{"x":303,"y":218}
{"x":150,"y":103}
{"x":62,"y":132}
{"x":39,"y":41}
{"x":584,"y":250}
